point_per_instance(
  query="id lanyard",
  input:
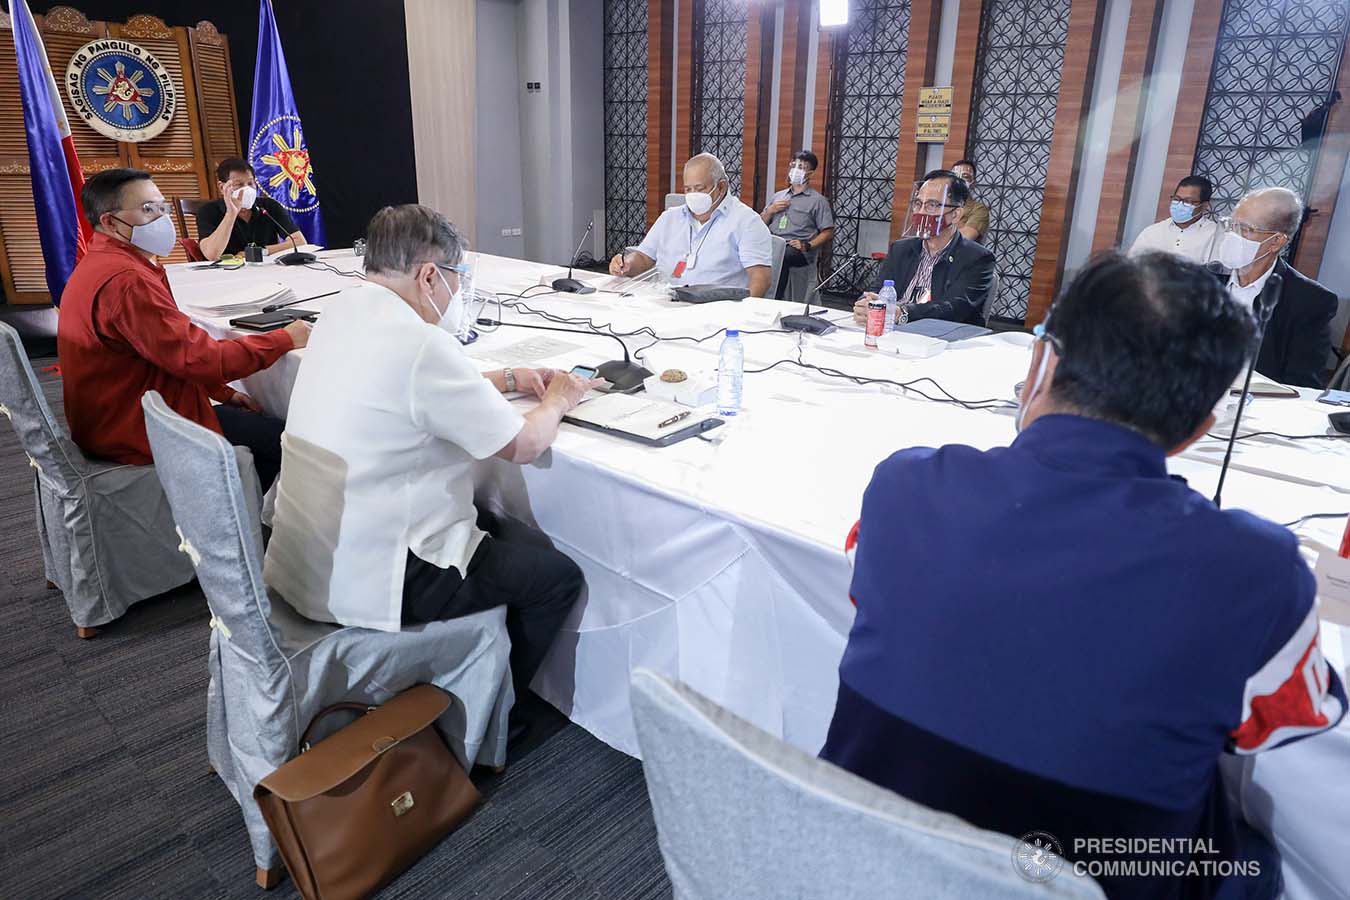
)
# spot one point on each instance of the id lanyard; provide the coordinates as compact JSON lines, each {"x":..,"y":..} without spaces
{"x":783,"y":219}
{"x":691,"y":260}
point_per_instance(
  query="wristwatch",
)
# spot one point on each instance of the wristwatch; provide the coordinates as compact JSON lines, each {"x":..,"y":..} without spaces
{"x":510,"y":377}
{"x":902,"y":315}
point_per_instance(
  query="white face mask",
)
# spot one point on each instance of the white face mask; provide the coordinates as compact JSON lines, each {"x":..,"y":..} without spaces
{"x":156,"y":238}
{"x":452,"y":319}
{"x":1237,"y":252}
{"x":698,"y":202}
{"x":796,"y":175}
{"x":248,"y":197}
{"x":1032,"y":388}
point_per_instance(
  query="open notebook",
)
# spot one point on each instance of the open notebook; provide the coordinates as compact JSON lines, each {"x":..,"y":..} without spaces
{"x":640,"y":418}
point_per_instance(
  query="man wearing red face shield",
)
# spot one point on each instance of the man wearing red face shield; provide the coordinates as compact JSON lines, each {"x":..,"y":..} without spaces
{"x":938,"y":274}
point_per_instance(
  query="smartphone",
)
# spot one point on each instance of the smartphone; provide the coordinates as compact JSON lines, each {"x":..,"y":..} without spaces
{"x":583,"y":371}
{"x":1335,"y":398}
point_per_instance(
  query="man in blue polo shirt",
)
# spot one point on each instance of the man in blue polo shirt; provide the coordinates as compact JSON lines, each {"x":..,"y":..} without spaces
{"x":1057,"y":636}
{"x":713,"y":238}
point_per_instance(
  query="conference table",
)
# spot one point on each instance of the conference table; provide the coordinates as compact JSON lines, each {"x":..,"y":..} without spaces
{"x":720,"y":560}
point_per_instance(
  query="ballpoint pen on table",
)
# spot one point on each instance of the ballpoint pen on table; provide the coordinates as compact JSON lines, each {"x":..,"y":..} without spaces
{"x":678,"y":417}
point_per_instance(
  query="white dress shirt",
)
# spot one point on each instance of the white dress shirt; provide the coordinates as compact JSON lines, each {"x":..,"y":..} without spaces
{"x":1198,"y":243}
{"x":386,"y":418}
{"x":715,"y":252}
{"x":1247,"y":295}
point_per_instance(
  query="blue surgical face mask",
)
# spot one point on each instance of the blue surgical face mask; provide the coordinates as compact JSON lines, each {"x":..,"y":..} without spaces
{"x":1182,"y":212}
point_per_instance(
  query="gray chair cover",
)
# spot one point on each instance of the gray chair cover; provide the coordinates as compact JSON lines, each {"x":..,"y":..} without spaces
{"x":800,"y":282}
{"x":107,"y":533}
{"x":779,"y":248}
{"x":741,"y":814}
{"x":272,"y":670}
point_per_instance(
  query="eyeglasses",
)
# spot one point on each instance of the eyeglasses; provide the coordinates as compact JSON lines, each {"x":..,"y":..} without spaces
{"x":153,"y":208}
{"x":1243,"y":229}
{"x":930,"y":206}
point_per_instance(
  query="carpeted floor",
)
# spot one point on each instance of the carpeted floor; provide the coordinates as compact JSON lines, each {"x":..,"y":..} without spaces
{"x":105,"y":789}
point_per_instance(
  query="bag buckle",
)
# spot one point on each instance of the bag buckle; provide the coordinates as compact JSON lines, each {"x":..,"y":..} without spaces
{"x":402,"y":803}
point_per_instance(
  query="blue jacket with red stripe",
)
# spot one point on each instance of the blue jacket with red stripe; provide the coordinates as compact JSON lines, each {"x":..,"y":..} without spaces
{"x":1057,"y":636}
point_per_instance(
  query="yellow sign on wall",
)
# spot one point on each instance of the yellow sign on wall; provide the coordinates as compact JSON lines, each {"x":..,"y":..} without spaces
{"x":935,"y":115}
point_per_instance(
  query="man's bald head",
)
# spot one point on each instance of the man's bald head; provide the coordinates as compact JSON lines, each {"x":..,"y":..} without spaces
{"x":1273,"y":209}
{"x":704,"y":172}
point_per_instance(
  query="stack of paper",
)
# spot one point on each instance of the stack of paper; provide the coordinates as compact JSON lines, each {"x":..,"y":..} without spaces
{"x":243,"y":301}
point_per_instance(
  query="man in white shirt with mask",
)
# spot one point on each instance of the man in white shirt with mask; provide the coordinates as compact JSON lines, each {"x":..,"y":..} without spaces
{"x":375,"y":524}
{"x":1296,"y":343}
{"x":1189,"y":231}
{"x":713,"y":238}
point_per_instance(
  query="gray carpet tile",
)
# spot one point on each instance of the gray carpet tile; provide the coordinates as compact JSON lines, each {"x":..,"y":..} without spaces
{"x":105,"y":789}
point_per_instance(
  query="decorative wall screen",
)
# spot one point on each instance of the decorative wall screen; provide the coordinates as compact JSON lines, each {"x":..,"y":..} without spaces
{"x":1021,"y":58}
{"x":866,"y":92}
{"x":625,"y":123}
{"x":1275,"y":62}
{"x":718,"y":86}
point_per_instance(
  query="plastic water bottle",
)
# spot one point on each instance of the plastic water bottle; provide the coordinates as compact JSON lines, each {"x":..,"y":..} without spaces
{"x":887,"y":296}
{"x":730,"y":372}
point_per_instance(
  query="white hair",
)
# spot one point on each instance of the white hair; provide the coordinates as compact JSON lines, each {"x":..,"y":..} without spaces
{"x":1286,"y":208}
{"x":716,"y":170}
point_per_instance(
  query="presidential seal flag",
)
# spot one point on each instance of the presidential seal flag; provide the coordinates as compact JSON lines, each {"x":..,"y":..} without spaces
{"x":53,"y":166}
{"x":277,"y":149}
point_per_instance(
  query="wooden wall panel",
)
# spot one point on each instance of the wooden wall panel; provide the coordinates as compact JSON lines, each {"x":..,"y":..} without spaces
{"x":684,"y":89}
{"x":963,"y":80}
{"x":177,"y":157}
{"x":1190,"y":112}
{"x":1080,"y":54}
{"x":1127,"y":123}
{"x":660,"y":97}
{"x":215,"y":97}
{"x":792,"y":83}
{"x":759,"y":33}
{"x":925,"y":20}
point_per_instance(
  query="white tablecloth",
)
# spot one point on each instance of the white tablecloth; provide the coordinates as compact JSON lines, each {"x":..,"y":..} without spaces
{"x":721,"y":563}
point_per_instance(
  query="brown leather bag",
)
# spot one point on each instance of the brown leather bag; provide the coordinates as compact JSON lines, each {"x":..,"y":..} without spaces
{"x":360,"y":806}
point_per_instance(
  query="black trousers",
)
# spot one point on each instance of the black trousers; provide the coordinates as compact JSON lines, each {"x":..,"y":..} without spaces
{"x":259,"y":433}
{"x":792,"y":259}
{"x":515,"y":565}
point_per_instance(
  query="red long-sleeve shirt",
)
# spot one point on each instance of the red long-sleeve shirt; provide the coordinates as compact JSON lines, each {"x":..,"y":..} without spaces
{"x":120,"y":334}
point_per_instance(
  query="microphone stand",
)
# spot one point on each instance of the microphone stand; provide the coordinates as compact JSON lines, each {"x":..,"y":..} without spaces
{"x":625,"y":375}
{"x":570,"y":285}
{"x":807,"y":322}
{"x":1270,"y":296}
{"x":295,"y":257}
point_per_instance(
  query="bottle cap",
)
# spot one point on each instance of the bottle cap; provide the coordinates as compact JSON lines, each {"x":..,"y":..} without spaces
{"x":888,"y":283}
{"x":733,"y":332}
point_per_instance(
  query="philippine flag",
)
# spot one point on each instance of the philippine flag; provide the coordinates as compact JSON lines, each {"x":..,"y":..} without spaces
{"x":57,"y":177}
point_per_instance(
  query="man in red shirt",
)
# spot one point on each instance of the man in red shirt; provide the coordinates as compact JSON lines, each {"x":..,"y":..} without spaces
{"x":120,"y":334}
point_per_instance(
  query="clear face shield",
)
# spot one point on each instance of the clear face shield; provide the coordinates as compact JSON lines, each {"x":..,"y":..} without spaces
{"x":930,"y":212}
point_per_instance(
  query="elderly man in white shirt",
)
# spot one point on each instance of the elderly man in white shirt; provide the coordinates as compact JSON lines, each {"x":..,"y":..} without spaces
{"x":375,"y":524}
{"x":713,"y":238}
{"x":1189,"y":231}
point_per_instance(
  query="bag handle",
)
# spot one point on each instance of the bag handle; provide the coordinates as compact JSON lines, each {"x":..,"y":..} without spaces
{"x":361,"y":708}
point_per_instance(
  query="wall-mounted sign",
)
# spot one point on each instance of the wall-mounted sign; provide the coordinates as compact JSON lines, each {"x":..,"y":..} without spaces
{"x":935,"y":115}
{"x":120,"y":90}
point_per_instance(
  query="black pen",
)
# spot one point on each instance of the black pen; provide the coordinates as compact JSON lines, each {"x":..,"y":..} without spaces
{"x":678,"y":417}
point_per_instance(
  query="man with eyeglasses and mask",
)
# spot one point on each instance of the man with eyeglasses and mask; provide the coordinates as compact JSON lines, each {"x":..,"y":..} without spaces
{"x":243,"y":215}
{"x":938,"y":273}
{"x":801,"y":216}
{"x":1077,"y":640}
{"x":712,"y":239}
{"x":1296,"y":346}
{"x":120,"y":334}
{"x":375,"y":522}
{"x":1189,"y":231}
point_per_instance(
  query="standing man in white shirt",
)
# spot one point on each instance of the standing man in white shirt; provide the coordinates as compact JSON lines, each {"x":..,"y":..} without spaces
{"x":375,"y":523}
{"x":713,"y":238}
{"x":1189,"y":231}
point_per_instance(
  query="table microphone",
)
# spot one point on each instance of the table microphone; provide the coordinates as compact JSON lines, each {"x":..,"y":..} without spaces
{"x":295,"y":257}
{"x":570,"y":285}
{"x":806,"y":321}
{"x":625,"y":375}
{"x":1270,"y":295}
